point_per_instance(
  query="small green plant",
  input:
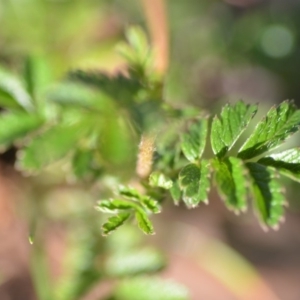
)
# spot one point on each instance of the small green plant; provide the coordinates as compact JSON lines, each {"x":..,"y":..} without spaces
{"x":88,"y":116}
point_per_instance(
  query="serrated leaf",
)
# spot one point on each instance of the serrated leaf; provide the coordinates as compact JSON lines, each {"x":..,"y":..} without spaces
{"x":231,"y":182}
{"x":176,"y":192}
{"x":194,"y":140}
{"x":134,"y":262}
{"x":114,"y":222}
{"x":151,"y":204}
{"x":114,"y":205}
{"x":144,"y":222}
{"x":280,"y":122}
{"x":129,"y":192}
{"x":17,"y":125}
{"x":204,"y":181}
{"x":149,"y":288}
{"x":193,"y":185}
{"x":12,"y":93}
{"x":286,"y":162}
{"x":232,"y":122}
{"x":158,"y":179}
{"x":267,"y":193}
{"x":54,"y":144}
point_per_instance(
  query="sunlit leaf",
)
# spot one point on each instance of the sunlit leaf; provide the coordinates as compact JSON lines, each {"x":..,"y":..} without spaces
{"x":286,"y":162}
{"x":129,"y":192}
{"x":114,"y":222}
{"x":151,"y":204}
{"x":193,"y":141}
{"x":280,"y":122}
{"x":114,"y":205}
{"x":232,"y":122}
{"x":12,"y":93}
{"x":144,"y":222}
{"x":158,"y":179}
{"x":149,"y":288}
{"x":231,"y":180}
{"x":267,"y":194}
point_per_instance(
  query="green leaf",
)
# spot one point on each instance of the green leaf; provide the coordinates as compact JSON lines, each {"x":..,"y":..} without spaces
{"x":143,"y":222}
{"x":71,"y":94}
{"x":129,"y":192}
{"x":232,"y":182}
{"x":286,"y":162}
{"x":12,"y":93}
{"x":134,"y":262}
{"x":194,"y":181}
{"x":114,"y":205}
{"x":151,"y":204}
{"x":194,"y":140}
{"x":175,"y":192}
{"x":267,"y":194}
{"x":158,"y":179}
{"x":119,"y":88}
{"x":149,"y":288}
{"x":233,"y":121}
{"x":82,"y":162}
{"x":280,"y":122}
{"x":114,"y":222}
{"x":53,"y":145}
{"x":17,"y":125}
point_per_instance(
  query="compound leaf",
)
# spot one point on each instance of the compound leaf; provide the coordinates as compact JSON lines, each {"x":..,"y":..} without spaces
{"x":231,"y":182}
{"x":114,"y":222}
{"x":267,"y":194}
{"x":280,"y":122}
{"x":151,"y":204}
{"x":194,"y":140}
{"x":143,"y":222}
{"x":286,"y":162}
{"x":175,"y":192}
{"x":232,"y":122}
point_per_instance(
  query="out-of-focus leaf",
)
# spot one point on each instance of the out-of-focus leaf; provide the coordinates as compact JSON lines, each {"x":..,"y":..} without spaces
{"x":194,"y":140}
{"x":54,"y":144}
{"x":176,"y":192}
{"x":17,"y":125}
{"x":144,"y":222}
{"x":135,"y":262}
{"x":81,"y":162}
{"x":114,"y":205}
{"x":231,"y":180}
{"x":72,"y":94}
{"x":114,"y":222}
{"x":233,"y":121}
{"x":12,"y":93}
{"x":267,"y":193}
{"x":149,"y":288}
{"x":158,"y":179}
{"x":280,"y":122}
{"x":286,"y":162}
{"x":119,"y":87}
{"x":193,"y":185}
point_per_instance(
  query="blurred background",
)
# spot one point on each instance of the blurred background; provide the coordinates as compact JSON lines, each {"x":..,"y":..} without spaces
{"x":219,"y":51}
